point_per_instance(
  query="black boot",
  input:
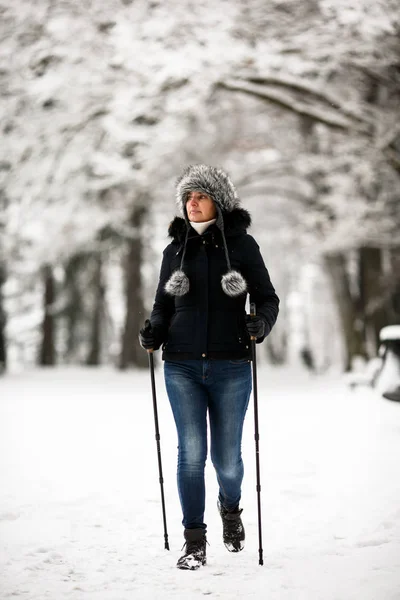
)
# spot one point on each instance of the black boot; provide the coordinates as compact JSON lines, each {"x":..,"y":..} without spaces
{"x":233,"y":530}
{"x":195,"y":550}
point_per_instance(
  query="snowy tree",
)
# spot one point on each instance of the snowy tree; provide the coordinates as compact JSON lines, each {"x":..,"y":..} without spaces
{"x":104,"y":104}
{"x":336,"y":67}
{"x":91,"y":111}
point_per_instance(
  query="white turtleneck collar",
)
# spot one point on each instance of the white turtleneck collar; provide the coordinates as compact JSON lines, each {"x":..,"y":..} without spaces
{"x":201,"y":227}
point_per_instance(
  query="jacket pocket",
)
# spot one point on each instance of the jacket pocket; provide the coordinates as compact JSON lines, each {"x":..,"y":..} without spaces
{"x":225,"y":331}
{"x":180,"y":331}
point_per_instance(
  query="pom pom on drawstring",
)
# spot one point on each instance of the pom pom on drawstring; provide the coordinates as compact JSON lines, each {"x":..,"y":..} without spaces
{"x":233,"y":284}
{"x":177,"y":284}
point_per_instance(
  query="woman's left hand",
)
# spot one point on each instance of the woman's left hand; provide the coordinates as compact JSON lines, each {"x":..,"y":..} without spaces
{"x":255,"y":326}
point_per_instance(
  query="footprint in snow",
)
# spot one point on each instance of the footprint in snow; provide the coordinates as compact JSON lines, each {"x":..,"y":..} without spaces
{"x":370,"y":543}
{"x":9,"y":516}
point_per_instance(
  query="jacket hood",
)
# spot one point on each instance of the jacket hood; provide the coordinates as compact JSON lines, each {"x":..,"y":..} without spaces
{"x":212,"y":181}
{"x":236,"y":221}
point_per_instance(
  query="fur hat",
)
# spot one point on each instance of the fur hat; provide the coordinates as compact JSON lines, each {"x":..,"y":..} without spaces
{"x":212,"y":181}
{"x":215,"y":183}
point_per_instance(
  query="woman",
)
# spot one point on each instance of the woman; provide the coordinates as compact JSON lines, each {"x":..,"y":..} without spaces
{"x":199,"y":320}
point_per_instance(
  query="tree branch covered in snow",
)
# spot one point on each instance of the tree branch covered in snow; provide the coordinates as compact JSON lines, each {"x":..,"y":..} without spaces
{"x":281,"y":93}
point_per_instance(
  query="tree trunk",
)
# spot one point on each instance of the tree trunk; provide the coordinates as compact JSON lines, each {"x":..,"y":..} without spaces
{"x":352,"y":325}
{"x":394,"y":288}
{"x":74,"y":309}
{"x":97,"y":313}
{"x":47,"y":351}
{"x":3,"y":349}
{"x":132,"y":354}
{"x":372,"y":296}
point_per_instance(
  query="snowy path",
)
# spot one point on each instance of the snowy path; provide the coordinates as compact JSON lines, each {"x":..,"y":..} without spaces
{"x":80,"y":513}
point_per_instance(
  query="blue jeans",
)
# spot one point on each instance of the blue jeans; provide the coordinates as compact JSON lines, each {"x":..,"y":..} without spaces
{"x":221,"y":387}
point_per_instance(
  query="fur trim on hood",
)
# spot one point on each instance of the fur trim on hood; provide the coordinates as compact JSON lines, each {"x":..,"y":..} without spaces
{"x":236,"y":221}
{"x":212,"y":181}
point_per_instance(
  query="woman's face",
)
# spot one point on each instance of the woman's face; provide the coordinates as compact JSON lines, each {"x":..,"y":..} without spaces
{"x":200,"y":207}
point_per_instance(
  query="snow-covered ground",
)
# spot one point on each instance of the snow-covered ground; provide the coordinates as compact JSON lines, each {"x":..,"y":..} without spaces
{"x":80,"y":512}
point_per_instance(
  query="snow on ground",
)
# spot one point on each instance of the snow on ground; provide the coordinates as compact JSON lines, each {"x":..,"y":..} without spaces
{"x":80,"y":512}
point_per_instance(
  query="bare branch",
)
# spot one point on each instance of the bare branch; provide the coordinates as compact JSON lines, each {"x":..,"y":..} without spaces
{"x":308,"y":89}
{"x":333,"y":119}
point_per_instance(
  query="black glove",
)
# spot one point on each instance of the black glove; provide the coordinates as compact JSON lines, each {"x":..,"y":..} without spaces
{"x":255,"y":326}
{"x":146,"y":336}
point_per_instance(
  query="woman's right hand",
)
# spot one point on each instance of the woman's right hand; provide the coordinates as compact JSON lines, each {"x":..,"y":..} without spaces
{"x":146,"y":336}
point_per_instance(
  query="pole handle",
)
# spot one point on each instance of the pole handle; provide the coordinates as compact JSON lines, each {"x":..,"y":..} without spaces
{"x":147,"y":327}
{"x":253,"y":314}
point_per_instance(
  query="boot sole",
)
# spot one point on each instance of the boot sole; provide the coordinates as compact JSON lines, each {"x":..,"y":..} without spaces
{"x":194,"y":567}
{"x":231,"y":548}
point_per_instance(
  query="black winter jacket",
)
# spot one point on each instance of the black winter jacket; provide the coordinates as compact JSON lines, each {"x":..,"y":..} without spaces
{"x":206,"y":323}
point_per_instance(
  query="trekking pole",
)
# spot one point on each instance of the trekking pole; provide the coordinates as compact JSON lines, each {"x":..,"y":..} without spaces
{"x":256,"y":436}
{"x":153,"y":389}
